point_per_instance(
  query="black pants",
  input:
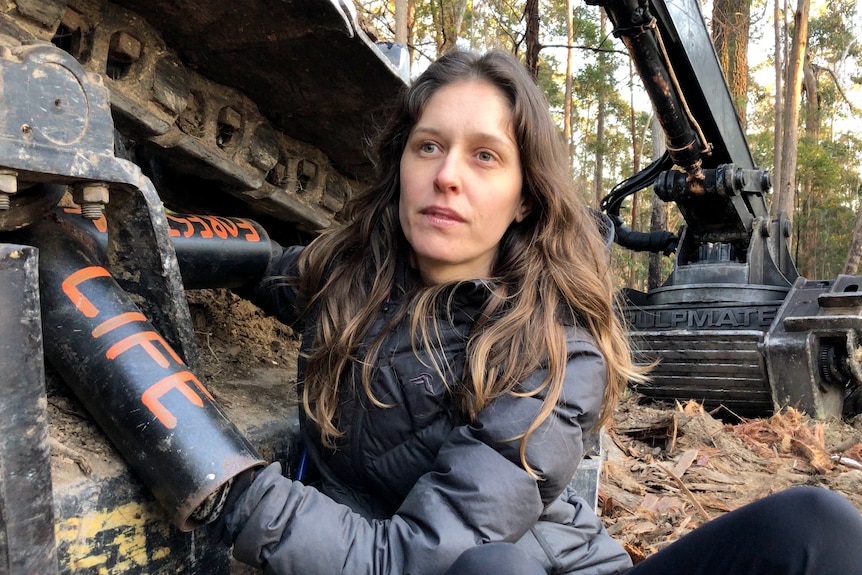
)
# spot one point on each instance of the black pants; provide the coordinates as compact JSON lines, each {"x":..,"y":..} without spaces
{"x":801,"y":531}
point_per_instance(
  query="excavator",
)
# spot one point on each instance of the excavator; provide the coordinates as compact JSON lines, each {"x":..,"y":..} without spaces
{"x":733,"y":326}
{"x":187,"y":134}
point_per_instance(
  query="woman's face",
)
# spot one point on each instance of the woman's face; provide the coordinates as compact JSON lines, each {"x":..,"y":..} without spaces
{"x":460,"y":182}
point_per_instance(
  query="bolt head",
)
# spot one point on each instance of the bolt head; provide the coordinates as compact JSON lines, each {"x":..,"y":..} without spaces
{"x":8,"y":183}
{"x":91,"y":194}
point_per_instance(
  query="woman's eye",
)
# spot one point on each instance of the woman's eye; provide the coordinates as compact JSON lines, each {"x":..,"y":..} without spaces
{"x":485,"y":156}
{"x":428,"y":147}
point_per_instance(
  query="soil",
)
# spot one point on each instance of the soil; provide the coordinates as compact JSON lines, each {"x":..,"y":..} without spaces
{"x":668,"y":468}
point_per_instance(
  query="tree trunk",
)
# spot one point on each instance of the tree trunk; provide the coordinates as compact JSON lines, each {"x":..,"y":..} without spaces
{"x":807,"y":262}
{"x":636,"y":167}
{"x":658,"y":213}
{"x":601,"y":113}
{"x":792,"y":94}
{"x":401,"y":21}
{"x":778,"y":15}
{"x":531,"y":38}
{"x":812,"y":100}
{"x":854,"y":253}
{"x":730,"y":23}
{"x":598,"y":173}
{"x":448,"y":19}
{"x":570,"y":64}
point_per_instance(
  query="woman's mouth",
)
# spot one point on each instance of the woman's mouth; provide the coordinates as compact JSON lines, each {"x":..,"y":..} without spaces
{"x":442,"y":216}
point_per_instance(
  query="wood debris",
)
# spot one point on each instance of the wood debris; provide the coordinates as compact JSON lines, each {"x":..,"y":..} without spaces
{"x":670,"y":469}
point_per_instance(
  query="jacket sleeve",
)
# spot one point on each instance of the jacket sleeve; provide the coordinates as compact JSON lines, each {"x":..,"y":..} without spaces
{"x":477,"y":492}
{"x":275,"y":292}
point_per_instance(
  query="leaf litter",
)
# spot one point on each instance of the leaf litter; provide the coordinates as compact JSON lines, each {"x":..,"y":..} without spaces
{"x":671,"y":468}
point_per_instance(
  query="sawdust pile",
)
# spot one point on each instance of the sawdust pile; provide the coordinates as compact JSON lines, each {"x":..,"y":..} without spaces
{"x":672,"y":468}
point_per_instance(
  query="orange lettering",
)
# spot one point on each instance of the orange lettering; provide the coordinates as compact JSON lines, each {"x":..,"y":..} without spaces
{"x":218,"y":227}
{"x":70,"y":288}
{"x":206,"y":233}
{"x":176,"y":381}
{"x":252,"y":234}
{"x":229,"y":225}
{"x":117,"y":321}
{"x":190,"y":229}
{"x":143,"y":339}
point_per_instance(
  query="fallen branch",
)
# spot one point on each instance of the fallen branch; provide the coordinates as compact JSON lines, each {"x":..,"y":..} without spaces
{"x":688,"y":494}
{"x":852,"y":463}
{"x":76,"y":456}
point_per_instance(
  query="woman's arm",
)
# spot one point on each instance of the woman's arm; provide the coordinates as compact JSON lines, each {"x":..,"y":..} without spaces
{"x":275,"y":292}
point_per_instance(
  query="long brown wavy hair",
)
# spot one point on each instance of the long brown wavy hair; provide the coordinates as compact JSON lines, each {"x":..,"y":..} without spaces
{"x":550,"y":269}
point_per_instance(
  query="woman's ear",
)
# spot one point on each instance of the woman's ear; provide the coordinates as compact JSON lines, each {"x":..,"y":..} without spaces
{"x":524,"y":209}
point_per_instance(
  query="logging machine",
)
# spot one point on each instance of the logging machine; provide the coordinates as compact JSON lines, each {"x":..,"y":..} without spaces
{"x":734,"y":324}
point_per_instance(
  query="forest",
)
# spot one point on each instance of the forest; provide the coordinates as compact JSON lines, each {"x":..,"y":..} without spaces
{"x":793,"y":67}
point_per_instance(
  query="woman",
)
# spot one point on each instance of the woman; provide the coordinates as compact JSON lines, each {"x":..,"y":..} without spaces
{"x":459,"y":340}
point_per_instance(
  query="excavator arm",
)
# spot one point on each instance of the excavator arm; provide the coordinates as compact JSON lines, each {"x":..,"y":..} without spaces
{"x":715,"y":183}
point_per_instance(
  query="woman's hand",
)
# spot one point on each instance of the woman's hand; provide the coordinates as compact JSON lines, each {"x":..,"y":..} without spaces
{"x":225,"y":528}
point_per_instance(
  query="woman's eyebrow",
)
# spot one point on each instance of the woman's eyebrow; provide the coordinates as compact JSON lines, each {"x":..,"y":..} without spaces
{"x":483,"y":136}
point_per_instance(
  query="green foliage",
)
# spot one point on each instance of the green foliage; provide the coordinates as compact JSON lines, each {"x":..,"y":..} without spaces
{"x":826,"y":204}
{"x":552,"y":82}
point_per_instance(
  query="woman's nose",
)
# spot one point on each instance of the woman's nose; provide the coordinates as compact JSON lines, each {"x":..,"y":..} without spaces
{"x":448,"y":177}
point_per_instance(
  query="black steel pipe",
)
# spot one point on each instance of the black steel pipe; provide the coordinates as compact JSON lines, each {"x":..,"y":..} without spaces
{"x":157,"y":414}
{"x":26,"y":505}
{"x":212,"y":251}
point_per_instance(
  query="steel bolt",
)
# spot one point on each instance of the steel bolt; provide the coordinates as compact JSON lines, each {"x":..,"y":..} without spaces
{"x":8,"y":181}
{"x":8,"y":186}
{"x":92,"y":211}
{"x":92,"y":199}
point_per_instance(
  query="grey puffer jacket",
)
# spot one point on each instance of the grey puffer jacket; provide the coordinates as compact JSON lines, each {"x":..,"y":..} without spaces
{"x":410,"y":488}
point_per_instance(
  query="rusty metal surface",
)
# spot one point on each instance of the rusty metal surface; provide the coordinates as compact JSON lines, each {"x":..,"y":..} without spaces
{"x":56,"y":124}
{"x":57,"y":129}
{"x":812,"y":348}
{"x":267,"y":102}
{"x":26,"y":513}
{"x":306,"y":63}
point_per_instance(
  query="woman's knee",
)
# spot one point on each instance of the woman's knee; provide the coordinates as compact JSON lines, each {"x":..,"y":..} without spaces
{"x":803,"y":513}
{"x":496,"y":559}
{"x":812,"y":503}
